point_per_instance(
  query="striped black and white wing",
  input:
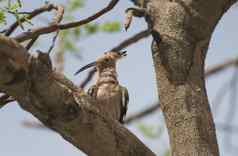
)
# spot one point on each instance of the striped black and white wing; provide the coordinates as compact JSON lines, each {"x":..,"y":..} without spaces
{"x":124,"y":103}
{"x":92,"y":91}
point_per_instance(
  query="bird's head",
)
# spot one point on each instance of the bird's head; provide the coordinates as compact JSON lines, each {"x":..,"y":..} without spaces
{"x":108,"y":60}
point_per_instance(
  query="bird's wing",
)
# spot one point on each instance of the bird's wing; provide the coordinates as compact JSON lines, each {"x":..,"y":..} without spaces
{"x":124,"y":102}
{"x":92,"y":91}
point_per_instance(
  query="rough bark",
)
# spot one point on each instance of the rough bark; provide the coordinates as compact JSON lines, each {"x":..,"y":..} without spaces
{"x":185,"y":27}
{"x":62,"y":106}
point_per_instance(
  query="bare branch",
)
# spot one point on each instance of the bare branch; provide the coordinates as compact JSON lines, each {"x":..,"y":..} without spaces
{"x":220,"y":67}
{"x":53,"y":42}
{"x":56,"y":20}
{"x":109,"y":7}
{"x":30,"y":15}
{"x":30,"y":44}
{"x":5,"y":99}
{"x":58,"y":57}
{"x":88,"y":78}
{"x":142,"y":113}
{"x":131,"y":40}
{"x":51,"y":28}
{"x":31,"y":124}
{"x":227,"y":128}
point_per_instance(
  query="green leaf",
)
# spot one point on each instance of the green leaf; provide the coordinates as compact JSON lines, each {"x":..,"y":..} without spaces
{"x":91,"y":28}
{"x":14,"y":7}
{"x":69,"y":18}
{"x":150,"y":131}
{"x":2,"y":17}
{"x":114,"y":26}
{"x":75,"y":4}
{"x":64,"y":33}
{"x":70,"y":46}
{"x":77,"y":32}
{"x":26,"y":19}
{"x":167,"y":152}
{"x":20,"y":3}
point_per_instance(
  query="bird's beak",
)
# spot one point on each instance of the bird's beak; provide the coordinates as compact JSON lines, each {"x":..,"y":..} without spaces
{"x":123,"y":53}
{"x":85,"y":67}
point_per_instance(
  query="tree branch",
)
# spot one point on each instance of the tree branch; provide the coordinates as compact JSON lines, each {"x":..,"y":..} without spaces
{"x":88,"y":78}
{"x":220,"y":67}
{"x":5,"y":99}
{"x":56,"y":20}
{"x":131,"y":40}
{"x":30,"y":15}
{"x":143,"y":113}
{"x":51,"y":28}
{"x":71,"y":113}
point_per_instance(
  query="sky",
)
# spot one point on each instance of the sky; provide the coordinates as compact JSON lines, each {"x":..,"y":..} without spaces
{"x":135,"y":72}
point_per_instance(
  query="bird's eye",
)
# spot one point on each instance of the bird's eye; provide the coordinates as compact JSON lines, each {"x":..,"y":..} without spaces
{"x":107,"y":60}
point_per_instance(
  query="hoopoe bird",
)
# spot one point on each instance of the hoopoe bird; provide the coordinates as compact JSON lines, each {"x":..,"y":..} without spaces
{"x":111,"y":96}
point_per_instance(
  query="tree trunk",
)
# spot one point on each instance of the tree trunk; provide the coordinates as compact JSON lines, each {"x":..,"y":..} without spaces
{"x":185,"y":27}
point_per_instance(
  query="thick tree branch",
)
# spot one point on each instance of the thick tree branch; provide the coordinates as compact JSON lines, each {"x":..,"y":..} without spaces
{"x":51,"y":28}
{"x":62,"y":106}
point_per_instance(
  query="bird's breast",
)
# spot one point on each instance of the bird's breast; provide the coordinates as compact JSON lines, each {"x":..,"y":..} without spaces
{"x":109,"y":99}
{"x":106,"y":91}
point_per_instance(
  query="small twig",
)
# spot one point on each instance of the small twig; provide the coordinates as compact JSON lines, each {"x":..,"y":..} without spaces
{"x":20,"y":12}
{"x":51,"y":28}
{"x":11,"y":29}
{"x":233,"y":101}
{"x":216,"y":103}
{"x":58,"y":57}
{"x":53,"y":42}
{"x":57,"y":19}
{"x":142,"y":114}
{"x":88,"y":78}
{"x":133,"y":39}
{"x":30,"y":44}
{"x":220,"y":67}
{"x":5,"y":99}
{"x":31,"y":124}
{"x":133,"y":12}
{"x":226,"y":127}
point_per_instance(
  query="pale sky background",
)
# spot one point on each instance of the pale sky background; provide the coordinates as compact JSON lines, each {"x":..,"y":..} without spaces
{"x":135,"y":72}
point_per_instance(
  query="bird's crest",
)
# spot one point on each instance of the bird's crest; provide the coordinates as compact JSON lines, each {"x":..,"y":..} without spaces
{"x":107,"y":59}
